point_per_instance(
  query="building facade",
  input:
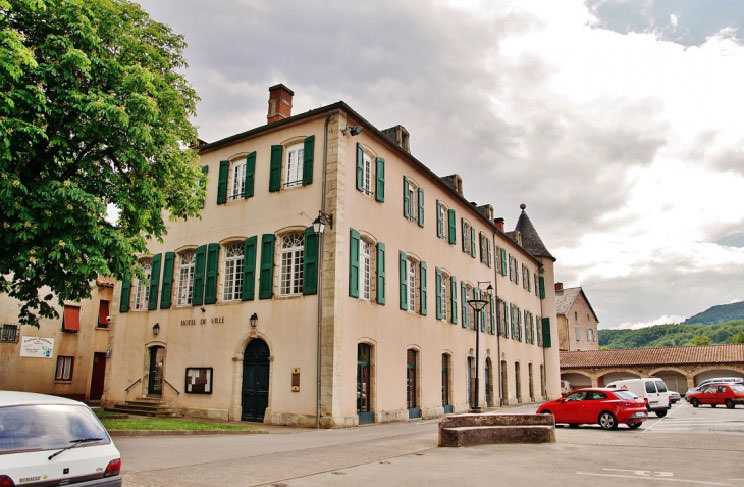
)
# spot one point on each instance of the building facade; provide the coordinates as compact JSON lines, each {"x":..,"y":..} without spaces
{"x":577,"y":321}
{"x":65,"y":357}
{"x":251,"y":314}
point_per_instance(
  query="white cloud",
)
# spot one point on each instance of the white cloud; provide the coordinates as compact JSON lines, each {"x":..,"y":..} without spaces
{"x":661,"y":320}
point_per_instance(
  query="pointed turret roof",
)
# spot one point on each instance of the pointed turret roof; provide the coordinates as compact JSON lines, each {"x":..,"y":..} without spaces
{"x":530,"y":239}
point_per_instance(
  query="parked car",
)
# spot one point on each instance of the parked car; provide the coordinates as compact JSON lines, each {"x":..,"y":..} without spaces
{"x":674,"y":396}
{"x":49,"y":440}
{"x":699,"y":387}
{"x":651,"y":389}
{"x":606,"y":407}
{"x":729,"y":394}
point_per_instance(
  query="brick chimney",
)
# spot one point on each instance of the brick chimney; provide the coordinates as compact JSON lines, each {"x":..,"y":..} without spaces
{"x":499,"y":222}
{"x":280,"y":103}
{"x":558,"y":286}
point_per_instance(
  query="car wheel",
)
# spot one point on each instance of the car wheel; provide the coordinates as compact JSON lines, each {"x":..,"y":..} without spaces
{"x":661,"y":413}
{"x":730,"y":404}
{"x":634,"y":426}
{"x":695,"y":403}
{"x":712,"y":405}
{"x":607,"y":421}
{"x":573,"y":425}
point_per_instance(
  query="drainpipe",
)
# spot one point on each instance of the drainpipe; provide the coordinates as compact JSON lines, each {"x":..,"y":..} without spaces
{"x":543,"y":379}
{"x":320,"y":273}
{"x":498,"y":321}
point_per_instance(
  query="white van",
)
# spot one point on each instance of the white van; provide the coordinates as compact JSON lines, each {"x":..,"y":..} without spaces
{"x":651,"y":389}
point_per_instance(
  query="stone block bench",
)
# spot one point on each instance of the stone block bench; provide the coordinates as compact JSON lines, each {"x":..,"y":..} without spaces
{"x":481,"y":429}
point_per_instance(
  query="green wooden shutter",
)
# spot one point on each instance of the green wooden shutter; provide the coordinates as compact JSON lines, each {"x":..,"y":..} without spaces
{"x":249,"y":268}
{"x":210,"y":281}
{"x":520,"y":325}
{"x":205,"y":170}
{"x":380,"y":273}
{"x":503,"y":262}
{"x":222,"y":182}
{"x":421,"y":207}
{"x":452,"y":226}
{"x":438,"y":292}
{"x":165,"y":292}
{"x":439,"y":222}
{"x":266,"y":271}
{"x":275,"y":169}
{"x":472,"y":242}
{"x":406,"y":199}
{"x":464,"y":303}
{"x":482,"y":313}
{"x":453,"y":299}
{"x":250,"y":174}
{"x":488,"y":251}
{"x":462,"y":231}
{"x":422,"y":287}
{"x":310,"y":263}
{"x":546,"y":332}
{"x":354,"y":264}
{"x":200,"y":261}
{"x":308,"y":156}
{"x":402,"y":267}
{"x":481,"y":247}
{"x":126,"y":288}
{"x":506,"y":319}
{"x":154,"y":282}
{"x":492,"y":308}
{"x":542,"y":288}
{"x":380,"y":179}
{"x":360,"y":167}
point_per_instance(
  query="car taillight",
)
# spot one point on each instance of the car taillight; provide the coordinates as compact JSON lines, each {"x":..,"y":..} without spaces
{"x":6,"y":481}
{"x":112,"y":469}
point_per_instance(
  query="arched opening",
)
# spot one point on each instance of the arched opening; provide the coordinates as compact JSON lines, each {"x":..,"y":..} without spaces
{"x":364,"y":384}
{"x":446,"y":397}
{"x":674,"y":380}
{"x":574,"y":382}
{"x":603,"y":380}
{"x":414,"y":410}
{"x":155,"y":376}
{"x":255,"y":391}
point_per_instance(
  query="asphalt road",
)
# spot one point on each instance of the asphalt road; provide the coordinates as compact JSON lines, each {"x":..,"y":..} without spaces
{"x":689,"y":447}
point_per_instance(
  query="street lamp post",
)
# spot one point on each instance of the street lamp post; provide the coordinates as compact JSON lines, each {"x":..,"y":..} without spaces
{"x":319,"y":225}
{"x":478,"y":305}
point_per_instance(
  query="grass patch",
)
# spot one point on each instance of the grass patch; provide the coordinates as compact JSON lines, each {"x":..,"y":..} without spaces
{"x":170,"y":425}
{"x":102,"y":413}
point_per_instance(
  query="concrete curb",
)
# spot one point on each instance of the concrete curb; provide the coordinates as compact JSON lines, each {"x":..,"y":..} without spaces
{"x":184,"y":432}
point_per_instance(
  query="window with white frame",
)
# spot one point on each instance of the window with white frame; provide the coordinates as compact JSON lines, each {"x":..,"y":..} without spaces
{"x":367,"y":181}
{"x":578,"y":333}
{"x":411,"y":285}
{"x":589,"y":335}
{"x":442,"y":221}
{"x":365,"y":269}
{"x":237,"y":179}
{"x":412,"y":205}
{"x":142,"y":292}
{"x":185,"y":278}
{"x":292,"y":259}
{"x":293,"y":165}
{"x":467,"y":244}
{"x":64,"y":368}
{"x":232,"y":286}
{"x":444,"y":286}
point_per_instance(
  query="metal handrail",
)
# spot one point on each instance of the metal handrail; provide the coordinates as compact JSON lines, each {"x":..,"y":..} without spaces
{"x":132,"y":384}
{"x":171,"y":385}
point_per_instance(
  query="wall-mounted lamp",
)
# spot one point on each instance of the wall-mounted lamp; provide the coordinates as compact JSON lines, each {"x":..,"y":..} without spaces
{"x":156,"y":329}
{"x":204,"y":310}
{"x":352,"y":130}
{"x":254,"y":320}
{"x":321,"y":221}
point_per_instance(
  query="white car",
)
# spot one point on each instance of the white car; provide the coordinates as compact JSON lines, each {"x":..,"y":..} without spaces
{"x":49,"y":440}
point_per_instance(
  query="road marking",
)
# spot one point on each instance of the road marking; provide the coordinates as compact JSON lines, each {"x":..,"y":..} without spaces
{"x":665,"y":479}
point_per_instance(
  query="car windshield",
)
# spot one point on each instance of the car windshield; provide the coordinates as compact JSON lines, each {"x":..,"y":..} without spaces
{"x":625,"y":395}
{"x":47,"y":426}
{"x":738,"y":387}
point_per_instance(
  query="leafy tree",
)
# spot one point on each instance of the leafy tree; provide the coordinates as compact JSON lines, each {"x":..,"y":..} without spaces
{"x":700,"y":340}
{"x":94,"y":113}
{"x":737,"y":338}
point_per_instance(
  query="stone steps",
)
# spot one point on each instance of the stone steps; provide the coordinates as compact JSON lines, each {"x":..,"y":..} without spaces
{"x":481,"y":429}
{"x":144,"y":407}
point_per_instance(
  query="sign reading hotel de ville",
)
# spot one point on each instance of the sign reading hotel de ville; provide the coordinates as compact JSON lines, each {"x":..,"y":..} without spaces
{"x":37,"y":347}
{"x":220,"y":320}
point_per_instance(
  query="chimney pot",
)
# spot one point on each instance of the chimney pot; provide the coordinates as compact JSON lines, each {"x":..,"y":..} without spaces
{"x":280,"y":103}
{"x":559,"y":286}
{"x":499,"y":222}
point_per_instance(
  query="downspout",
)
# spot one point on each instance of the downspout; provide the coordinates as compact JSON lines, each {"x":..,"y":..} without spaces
{"x":498,"y":321}
{"x":320,"y":274}
{"x":543,"y":379}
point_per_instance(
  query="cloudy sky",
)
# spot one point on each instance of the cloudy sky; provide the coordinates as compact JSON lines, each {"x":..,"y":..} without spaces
{"x":618,"y":122}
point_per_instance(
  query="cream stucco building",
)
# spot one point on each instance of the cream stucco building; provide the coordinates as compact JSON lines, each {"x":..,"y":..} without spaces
{"x":65,"y":356}
{"x":577,"y":321}
{"x":249,"y":314}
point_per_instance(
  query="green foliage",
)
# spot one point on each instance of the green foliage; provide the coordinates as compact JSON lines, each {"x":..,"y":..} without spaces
{"x":167,"y":424}
{"x":737,"y":338}
{"x":93,"y":114}
{"x":672,"y":335}
{"x":719,"y":314}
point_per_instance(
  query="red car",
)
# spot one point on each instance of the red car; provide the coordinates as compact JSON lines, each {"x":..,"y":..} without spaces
{"x":606,"y":407}
{"x":713,"y":394}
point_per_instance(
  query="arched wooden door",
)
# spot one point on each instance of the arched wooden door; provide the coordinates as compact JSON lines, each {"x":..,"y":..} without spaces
{"x":255,"y":390}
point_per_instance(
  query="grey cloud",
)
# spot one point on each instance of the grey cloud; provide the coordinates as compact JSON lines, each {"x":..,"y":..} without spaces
{"x":732,"y":240}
